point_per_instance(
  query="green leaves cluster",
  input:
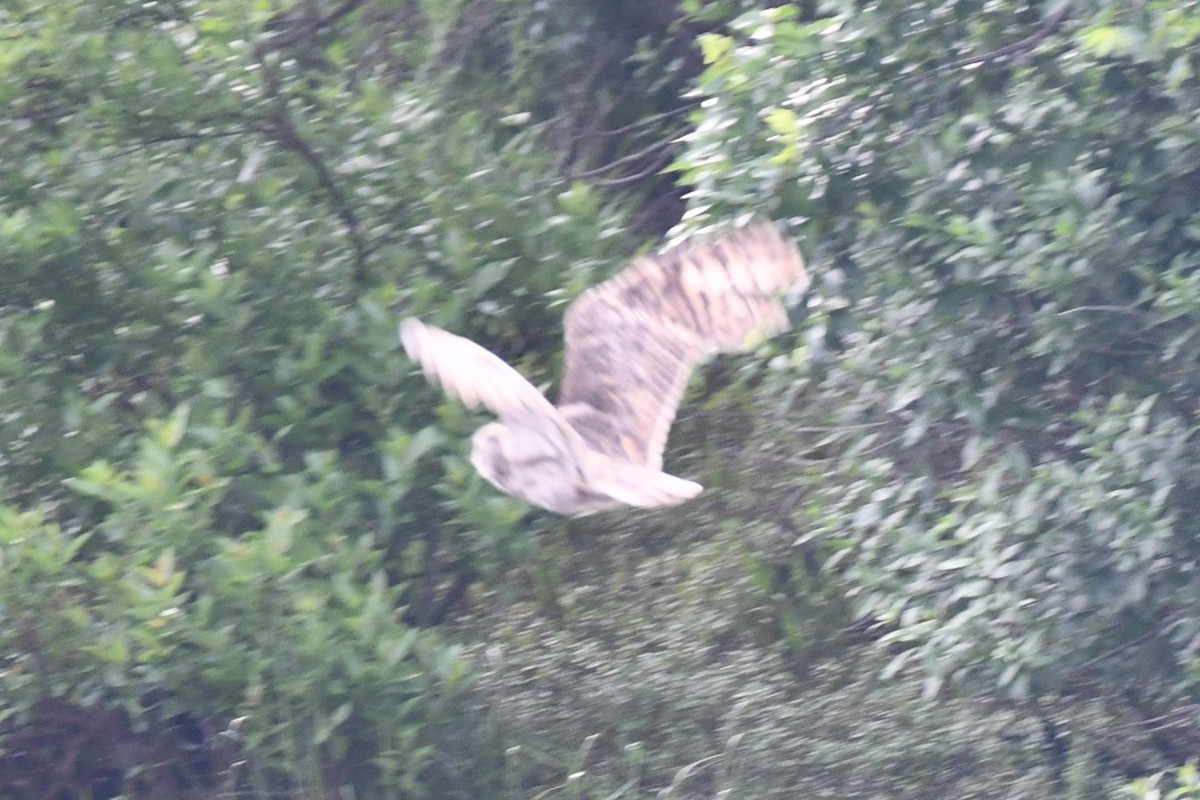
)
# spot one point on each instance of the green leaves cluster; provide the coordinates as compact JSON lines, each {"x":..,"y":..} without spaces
{"x":291,"y":633}
{"x":1001,"y":204}
{"x":213,"y":216}
{"x":225,"y":495}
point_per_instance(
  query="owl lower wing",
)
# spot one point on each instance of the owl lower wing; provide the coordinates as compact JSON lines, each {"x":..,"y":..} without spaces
{"x":645,"y":488}
{"x":478,"y":377}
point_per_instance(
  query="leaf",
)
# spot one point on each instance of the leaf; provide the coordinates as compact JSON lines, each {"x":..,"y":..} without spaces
{"x":168,"y":433}
{"x":782,"y":121}
{"x":714,"y":47}
{"x":488,"y":276}
{"x":1110,"y":40}
{"x":96,"y":480}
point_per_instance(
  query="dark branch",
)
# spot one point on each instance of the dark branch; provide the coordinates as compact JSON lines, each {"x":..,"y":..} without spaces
{"x":310,"y":27}
{"x":1019,"y":47}
{"x":287,"y":134}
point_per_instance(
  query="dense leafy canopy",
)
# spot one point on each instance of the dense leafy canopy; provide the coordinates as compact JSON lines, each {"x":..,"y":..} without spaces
{"x":211,"y":214}
{"x":235,"y":520}
{"x":1012,"y":226}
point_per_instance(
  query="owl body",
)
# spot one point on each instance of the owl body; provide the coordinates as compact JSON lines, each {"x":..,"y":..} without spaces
{"x":566,"y":477}
{"x":631,"y":344}
{"x":536,"y":469}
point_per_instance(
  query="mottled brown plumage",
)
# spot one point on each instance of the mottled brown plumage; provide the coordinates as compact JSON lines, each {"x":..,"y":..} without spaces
{"x":631,"y":344}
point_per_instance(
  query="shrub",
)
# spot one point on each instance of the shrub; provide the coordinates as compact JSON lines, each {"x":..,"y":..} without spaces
{"x":1001,"y":211}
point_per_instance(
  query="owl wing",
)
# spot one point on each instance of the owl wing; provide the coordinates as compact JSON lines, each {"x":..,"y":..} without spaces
{"x":478,"y":377}
{"x":632,"y":341}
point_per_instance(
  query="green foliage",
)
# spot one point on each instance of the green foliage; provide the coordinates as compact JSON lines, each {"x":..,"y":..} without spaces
{"x":291,"y":632}
{"x":204,"y":229}
{"x":1186,"y":782}
{"x":214,"y":215}
{"x":1001,"y":209}
{"x":228,"y":502}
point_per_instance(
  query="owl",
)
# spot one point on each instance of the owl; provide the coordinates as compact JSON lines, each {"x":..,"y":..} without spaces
{"x":631,"y":343}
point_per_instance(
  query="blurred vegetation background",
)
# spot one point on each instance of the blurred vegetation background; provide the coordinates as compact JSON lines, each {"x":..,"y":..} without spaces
{"x":949,"y":544}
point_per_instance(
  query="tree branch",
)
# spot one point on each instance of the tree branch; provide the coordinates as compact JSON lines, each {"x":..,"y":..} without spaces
{"x":288,"y":135}
{"x":1019,"y":47}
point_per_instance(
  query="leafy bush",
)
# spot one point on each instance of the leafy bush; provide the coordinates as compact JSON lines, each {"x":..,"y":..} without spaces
{"x":289,"y":634}
{"x":215,"y":218}
{"x":1002,"y":208}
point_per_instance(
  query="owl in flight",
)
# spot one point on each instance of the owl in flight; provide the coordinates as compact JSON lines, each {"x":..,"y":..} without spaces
{"x":631,"y":343}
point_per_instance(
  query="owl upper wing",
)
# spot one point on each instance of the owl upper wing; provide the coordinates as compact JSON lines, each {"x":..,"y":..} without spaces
{"x":632,"y":341}
{"x":478,"y":377}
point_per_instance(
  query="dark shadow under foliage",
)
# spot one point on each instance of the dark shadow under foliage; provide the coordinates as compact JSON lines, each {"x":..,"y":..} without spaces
{"x":60,"y":750}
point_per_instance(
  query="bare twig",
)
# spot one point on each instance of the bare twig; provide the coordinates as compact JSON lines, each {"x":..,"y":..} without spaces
{"x":641,"y":122}
{"x":1103,"y":309}
{"x":653,"y":147}
{"x":654,"y":167}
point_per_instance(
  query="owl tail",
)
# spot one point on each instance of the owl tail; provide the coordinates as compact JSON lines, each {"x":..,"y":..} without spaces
{"x":637,"y":486}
